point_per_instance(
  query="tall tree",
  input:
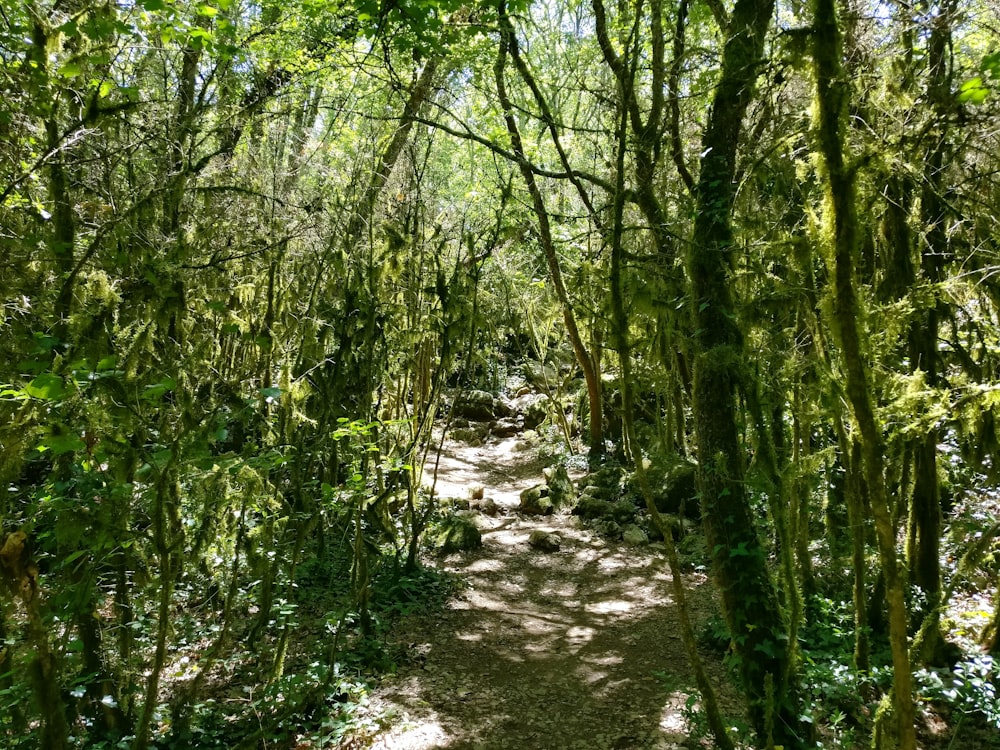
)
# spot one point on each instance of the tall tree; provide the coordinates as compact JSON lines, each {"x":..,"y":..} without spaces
{"x":587,"y":361}
{"x":750,"y":599}
{"x":925,"y":510}
{"x":843,"y":234}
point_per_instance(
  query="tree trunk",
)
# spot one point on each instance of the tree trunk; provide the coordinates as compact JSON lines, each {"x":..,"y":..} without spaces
{"x":19,"y":577}
{"x":583,"y":356}
{"x":620,"y":338}
{"x":832,"y":99}
{"x":166,"y":533}
{"x":749,"y":596}
{"x":991,"y":634}
{"x":925,"y":501}
{"x":63,"y":238}
{"x":854,"y":492}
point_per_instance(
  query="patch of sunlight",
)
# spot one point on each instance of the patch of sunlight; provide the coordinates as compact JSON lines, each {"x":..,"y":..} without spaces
{"x":642,"y":593}
{"x":611,"y":564}
{"x":606,"y":660}
{"x":471,"y":637}
{"x":485,"y":565}
{"x":538,"y":650}
{"x":511,"y":540}
{"x":595,"y":670}
{"x":609,"y":607}
{"x":414,"y":734}
{"x":507,"y":448}
{"x":672,"y":719}
{"x":565,"y":590}
{"x":580,"y":633}
{"x":537,"y":627}
{"x":591,"y":676}
{"x":613,"y":687}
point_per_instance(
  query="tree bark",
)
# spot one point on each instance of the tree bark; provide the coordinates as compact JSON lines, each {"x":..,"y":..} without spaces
{"x":583,"y":356}
{"x":842,"y":220}
{"x":750,"y":599}
{"x":925,"y":508}
{"x":620,"y":337}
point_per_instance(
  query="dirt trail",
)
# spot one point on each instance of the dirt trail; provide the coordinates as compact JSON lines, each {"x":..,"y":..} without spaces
{"x":578,"y":648}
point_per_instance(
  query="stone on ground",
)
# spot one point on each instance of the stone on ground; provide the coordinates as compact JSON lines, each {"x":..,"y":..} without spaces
{"x":458,"y":533}
{"x":479,"y":406}
{"x":634,"y":536}
{"x":535,"y":501}
{"x":544,"y":541}
{"x":672,"y":480}
{"x":590,"y":507}
{"x":560,"y":486}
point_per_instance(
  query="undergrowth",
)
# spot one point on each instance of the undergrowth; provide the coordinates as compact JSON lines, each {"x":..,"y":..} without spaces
{"x":322,"y":695}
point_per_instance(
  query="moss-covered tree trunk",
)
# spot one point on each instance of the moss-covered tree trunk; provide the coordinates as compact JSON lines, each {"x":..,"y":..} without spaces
{"x":619,"y":330}
{"x":925,"y":508}
{"x":587,"y":362}
{"x":749,"y":596}
{"x":19,"y":578}
{"x":842,"y":224}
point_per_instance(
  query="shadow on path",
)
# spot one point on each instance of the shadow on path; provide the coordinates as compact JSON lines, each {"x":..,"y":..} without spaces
{"x":576,"y":649}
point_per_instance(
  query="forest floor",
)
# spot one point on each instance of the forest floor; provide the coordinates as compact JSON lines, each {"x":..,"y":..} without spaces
{"x":578,"y":648}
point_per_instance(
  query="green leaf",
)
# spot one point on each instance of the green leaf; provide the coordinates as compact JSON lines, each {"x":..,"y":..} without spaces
{"x":991,"y":65}
{"x":207,"y":10}
{"x":60,"y":444}
{"x":161,"y":457}
{"x":973,"y":91}
{"x":44,"y":342}
{"x":108,"y":363}
{"x":74,"y":556}
{"x":766,"y":648}
{"x":70,"y":70}
{"x":154,"y":5}
{"x":155,"y":391}
{"x":46,"y":386}
{"x":104,"y":90}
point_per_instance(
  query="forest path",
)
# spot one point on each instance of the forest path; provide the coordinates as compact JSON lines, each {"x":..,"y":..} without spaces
{"x":578,"y":648}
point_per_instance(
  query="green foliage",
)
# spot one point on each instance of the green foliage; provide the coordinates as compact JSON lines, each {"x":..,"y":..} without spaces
{"x":971,"y":687}
{"x":840,"y":697}
{"x":425,"y":590}
{"x":975,"y":90}
{"x":693,"y":712}
{"x":317,"y":704}
{"x":230,"y":310}
{"x":715,"y":635}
